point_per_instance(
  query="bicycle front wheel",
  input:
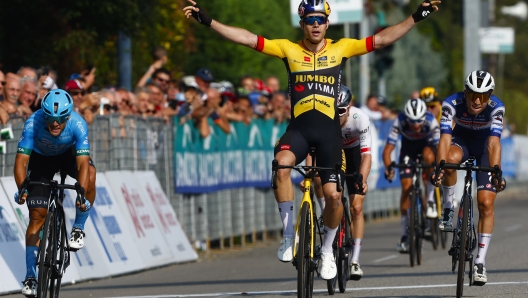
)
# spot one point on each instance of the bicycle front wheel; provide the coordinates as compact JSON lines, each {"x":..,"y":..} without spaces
{"x":463,"y":246}
{"x":305,"y":272}
{"x":47,"y":255}
{"x":345,"y":252}
{"x":412,"y":229}
{"x":420,"y":228}
{"x":62,"y":259}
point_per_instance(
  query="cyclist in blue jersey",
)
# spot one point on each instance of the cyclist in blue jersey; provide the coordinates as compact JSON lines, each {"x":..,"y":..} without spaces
{"x":54,"y":138}
{"x":420,"y":134}
{"x":478,"y":116}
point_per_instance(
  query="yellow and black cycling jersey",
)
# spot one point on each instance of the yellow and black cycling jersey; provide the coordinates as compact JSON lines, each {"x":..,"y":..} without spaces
{"x":314,"y":78}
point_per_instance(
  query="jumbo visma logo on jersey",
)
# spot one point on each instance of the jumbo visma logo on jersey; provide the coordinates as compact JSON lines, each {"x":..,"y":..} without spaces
{"x":315,"y":92}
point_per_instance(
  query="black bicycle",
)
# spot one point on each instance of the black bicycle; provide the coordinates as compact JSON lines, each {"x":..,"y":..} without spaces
{"x":417,"y":220}
{"x":54,"y":249}
{"x":464,"y":235}
{"x":305,"y":255}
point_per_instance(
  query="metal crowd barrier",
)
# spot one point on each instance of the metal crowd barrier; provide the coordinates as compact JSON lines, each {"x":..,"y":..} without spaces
{"x":228,"y":216}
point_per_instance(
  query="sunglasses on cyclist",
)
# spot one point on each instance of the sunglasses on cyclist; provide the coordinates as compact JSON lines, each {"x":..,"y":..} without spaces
{"x":59,"y":119}
{"x":312,"y":19}
{"x":484,"y":97}
{"x":419,"y":121}
{"x":342,"y":111}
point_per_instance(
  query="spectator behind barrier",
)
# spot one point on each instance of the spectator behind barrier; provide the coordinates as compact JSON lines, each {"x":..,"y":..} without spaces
{"x":371,"y":108}
{"x":28,"y":96}
{"x":273,"y":84}
{"x":204,"y":77}
{"x":159,"y":56}
{"x":143,"y":100}
{"x":76,"y":90}
{"x":247,"y":85}
{"x":278,"y":109}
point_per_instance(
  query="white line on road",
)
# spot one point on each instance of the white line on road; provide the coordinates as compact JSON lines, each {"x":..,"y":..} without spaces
{"x":513,"y":228}
{"x":317,"y":291}
{"x":385,"y":258}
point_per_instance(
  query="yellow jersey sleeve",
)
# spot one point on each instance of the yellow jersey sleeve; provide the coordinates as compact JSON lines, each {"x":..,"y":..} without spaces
{"x":354,"y":47}
{"x":273,"y":47}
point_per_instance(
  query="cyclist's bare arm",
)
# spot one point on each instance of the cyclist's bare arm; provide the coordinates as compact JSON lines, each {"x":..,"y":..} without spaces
{"x":21,"y":162}
{"x":237,"y":35}
{"x":494,"y":150}
{"x":386,"y":155}
{"x":83,"y":168}
{"x":395,"y":32}
{"x":364,"y":168}
{"x":443,"y":147}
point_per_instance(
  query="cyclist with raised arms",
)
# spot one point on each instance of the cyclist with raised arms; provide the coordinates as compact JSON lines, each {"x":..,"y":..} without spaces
{"x":314,"y":67}
{"x":478,"y":115}
{"x":420,"y":134}
{"x":54,"y":138}
{"x":357,"y":141}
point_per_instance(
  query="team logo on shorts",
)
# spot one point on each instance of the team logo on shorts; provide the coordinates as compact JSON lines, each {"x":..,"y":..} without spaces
{"x":285,"y":147}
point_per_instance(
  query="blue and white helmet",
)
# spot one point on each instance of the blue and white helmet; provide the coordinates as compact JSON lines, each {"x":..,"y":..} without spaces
{"x":57,"y":105}
{"x":310,"y":6}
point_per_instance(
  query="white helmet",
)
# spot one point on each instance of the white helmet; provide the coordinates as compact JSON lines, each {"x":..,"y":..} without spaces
{"x":415,"y":109}
{"x":484,"y":78}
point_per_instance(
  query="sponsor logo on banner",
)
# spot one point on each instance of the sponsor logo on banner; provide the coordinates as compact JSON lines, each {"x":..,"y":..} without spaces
{"x":130,"y":203}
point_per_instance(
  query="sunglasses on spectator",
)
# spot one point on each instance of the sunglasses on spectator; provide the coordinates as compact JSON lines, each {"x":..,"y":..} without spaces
{"x":342,"y":111}
{"x":419,"y":121}
{"x":3,"y":83}
{"x":75,"y":93}
{"x":59,"y":119}
{"x":312,"y":19}
{"x":162,"y":80}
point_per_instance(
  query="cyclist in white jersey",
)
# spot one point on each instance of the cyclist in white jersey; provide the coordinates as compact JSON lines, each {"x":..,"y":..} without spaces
{"x":356,"y":139}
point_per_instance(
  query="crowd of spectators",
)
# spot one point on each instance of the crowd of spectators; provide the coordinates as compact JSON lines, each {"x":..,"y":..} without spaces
{"x":198,"y":97}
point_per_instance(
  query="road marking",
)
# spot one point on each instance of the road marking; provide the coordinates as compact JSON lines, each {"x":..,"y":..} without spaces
{"x":385,"y":258}
{"x":513,"y":228}
{"x":316,"y":290}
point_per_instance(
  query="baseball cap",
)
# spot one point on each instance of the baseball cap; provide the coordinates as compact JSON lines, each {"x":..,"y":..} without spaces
{"x":73,"y":84}
{"x":190,"y":82}
{"x":205,"y":74}
{"x":382,"y":101}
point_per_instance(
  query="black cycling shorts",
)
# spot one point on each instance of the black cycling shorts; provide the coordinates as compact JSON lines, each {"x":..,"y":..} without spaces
{"x":323,"y":134}
{"x":353,"y":163}
{"x":410,"y":149}
{"x":43,"y":168}
{"x":478,"y":148}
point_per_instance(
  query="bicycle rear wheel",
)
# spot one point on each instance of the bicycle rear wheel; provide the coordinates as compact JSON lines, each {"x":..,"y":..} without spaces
{"x":345,"y":253}
{"x":47,"y":255}
{"x":463,"y":246}
{"x":412,"y":229}
{"x":305,"y":272}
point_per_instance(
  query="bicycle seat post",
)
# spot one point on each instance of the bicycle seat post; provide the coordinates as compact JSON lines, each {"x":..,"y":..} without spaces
{"x":312,"y":154}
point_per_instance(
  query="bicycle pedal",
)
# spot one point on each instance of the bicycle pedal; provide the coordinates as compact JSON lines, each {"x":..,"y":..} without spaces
{"x":72,"y":249}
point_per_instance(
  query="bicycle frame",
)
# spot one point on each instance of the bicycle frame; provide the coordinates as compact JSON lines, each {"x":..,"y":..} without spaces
{"x":308,"y":199}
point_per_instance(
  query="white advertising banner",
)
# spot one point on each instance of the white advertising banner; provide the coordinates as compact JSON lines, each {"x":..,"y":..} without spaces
{"x":12,"y":248}
{"x":116,"y":245}
{"x":22,"y":215}
{"x":141,"y":219}
{"x":166,"y":217}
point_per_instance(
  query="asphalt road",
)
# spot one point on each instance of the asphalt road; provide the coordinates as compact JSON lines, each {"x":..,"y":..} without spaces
{"x":255,"y":271}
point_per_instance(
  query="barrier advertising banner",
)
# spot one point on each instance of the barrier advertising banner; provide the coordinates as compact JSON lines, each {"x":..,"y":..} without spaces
{"x":12,"y":248}
{"x":141,"y":219}
{"x":9,"y":185}
{"x":241,"y":158}
{"x":118,"y":249}
{"x":172,"y":230}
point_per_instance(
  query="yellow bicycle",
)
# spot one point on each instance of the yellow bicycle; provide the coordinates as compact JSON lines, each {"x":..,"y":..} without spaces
{"x":305,"y":258}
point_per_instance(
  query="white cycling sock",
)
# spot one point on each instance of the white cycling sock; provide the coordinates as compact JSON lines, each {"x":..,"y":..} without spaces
{"x":286,"y":212}
{"x":357,"y":248}
{"x":404,"y":225}
{"x":321,"y":202}
{"x":430,"y":192}
{"x":329,"y":236}
{"x":448,"y":196}
{"x":483,"y":244}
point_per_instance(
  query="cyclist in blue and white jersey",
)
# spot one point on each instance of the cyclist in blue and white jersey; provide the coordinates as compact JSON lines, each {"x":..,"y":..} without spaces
{"x":54,"y":138}
{"x":478,"y":116}
{"x":420,"y":134}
